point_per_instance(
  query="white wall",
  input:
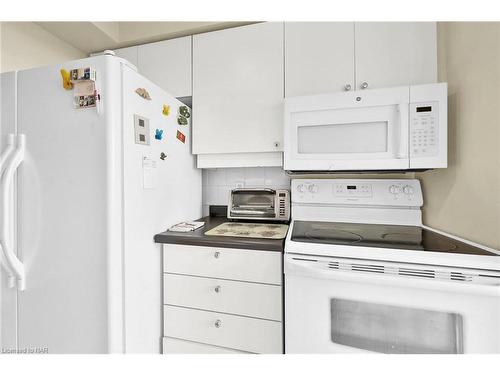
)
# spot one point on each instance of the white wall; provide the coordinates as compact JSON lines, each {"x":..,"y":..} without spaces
{"x":217,"y":183}
{"x":26,"y":45}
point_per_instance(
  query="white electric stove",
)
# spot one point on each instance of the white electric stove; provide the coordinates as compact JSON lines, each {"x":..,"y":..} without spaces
{"x":362,"y":274}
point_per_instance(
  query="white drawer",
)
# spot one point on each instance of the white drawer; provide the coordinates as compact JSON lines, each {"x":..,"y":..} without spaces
{"x":234,"y":264}
{"x":229,"y":331}
{"x":234,"y":297}
{"x":177,"y":346}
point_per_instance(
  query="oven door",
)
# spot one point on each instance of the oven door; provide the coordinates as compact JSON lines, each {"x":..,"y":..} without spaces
{"x":330,"y":310}
{"x":348,"y":131}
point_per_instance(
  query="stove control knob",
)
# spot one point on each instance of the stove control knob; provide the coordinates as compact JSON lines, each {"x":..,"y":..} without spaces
{"x":394,"y":189}
{"x":301,"y":188}
{"x":313,"y":188}
{"x":408,"y":190}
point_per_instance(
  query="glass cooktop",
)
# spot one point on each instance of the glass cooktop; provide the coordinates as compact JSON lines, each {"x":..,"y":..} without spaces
{"x":380,"y":235}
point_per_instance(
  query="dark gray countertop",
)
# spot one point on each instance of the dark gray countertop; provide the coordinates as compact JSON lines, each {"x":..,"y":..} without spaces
{"x":198,"y":238}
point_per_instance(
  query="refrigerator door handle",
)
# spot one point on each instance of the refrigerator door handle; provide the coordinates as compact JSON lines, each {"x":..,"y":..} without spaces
{"x":13,"y":162}
{"x":4,"y":157}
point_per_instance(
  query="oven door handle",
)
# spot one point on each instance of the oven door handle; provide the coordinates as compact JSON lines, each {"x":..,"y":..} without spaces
{"x":307,"y":266}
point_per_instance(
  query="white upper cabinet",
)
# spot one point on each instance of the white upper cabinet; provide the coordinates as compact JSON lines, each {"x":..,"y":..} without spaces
{"x":327,"y":57}
{"x":128,"y":53}
{"x":168,"y":64}
{"x":319,"y":57}
{"x":238,"y":90}
{"x":395,"y":53}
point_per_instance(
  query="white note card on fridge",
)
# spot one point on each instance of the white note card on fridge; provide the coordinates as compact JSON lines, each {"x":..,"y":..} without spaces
{"x":149,"y":172}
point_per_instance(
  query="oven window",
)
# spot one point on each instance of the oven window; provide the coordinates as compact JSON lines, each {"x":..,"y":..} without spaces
{"x":393,"y":329}
{"x":349,"y":138}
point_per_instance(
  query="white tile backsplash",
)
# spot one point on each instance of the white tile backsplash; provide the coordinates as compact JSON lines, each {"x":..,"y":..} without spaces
{"x":218,"y":182}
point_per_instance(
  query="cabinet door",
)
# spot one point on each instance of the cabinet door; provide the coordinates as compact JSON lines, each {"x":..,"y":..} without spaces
{"x":319,"y":57}
{"x":395,"y":53}
{"x":168,"y":64}
{"x":129,"y":54}
{"x":238,"y":90}
{"x":176,"y":346}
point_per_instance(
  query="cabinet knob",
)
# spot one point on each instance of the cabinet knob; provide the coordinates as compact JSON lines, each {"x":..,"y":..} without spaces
{"x":364,"y":85}
{"x":218,"y":323}
{"x":276,"y":144}
{"x":347,"y":87}
{"x":217,"y":289}
{"x":216,"y":254}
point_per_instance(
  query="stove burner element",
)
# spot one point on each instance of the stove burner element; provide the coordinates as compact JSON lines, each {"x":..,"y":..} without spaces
{"x":325,"y":234}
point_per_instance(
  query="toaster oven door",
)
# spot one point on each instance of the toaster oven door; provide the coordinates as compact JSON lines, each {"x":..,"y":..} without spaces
{"x":348,"y":131}
{"x":254,"y":204}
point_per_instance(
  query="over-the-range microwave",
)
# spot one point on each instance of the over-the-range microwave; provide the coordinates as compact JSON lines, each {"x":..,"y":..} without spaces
{"x":397,"y":128}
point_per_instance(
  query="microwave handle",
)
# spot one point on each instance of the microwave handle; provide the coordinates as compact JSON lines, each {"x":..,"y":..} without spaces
{"x":404,"y":129}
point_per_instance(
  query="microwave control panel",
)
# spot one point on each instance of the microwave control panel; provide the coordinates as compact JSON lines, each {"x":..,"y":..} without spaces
{"x":424,"y":123}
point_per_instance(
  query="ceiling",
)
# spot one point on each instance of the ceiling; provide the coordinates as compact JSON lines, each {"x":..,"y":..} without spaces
{"x":97,"y":36}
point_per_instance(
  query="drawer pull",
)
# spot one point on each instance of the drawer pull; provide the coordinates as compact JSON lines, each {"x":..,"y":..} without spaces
{"x":218,"y":323}
{"x":216,"y":254}
{"x":217,"y":289}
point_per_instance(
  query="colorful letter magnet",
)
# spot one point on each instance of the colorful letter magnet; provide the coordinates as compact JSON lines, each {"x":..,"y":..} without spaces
{"x":66,"y":77}
{"x":181,"y":120}
{"x":159,"y":134}
{"x":184,"y":111}
{"x":181,"y":137}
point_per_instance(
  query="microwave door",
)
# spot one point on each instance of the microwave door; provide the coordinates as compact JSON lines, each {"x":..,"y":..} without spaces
{"x":335,"y":133}
{"x":374,"y":138}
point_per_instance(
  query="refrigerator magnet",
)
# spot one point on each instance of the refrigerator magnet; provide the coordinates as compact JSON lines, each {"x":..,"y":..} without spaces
{"x":163,"y":156}
{"x":159,"y":134}
{"x":66,"y":77}
{"x":143,"y":93}
{"x":82,"y":74}
{"x":184,"y":111}
{"x":181,"y":137}
{"x":181,"y":120}
{"x":166,"y":110}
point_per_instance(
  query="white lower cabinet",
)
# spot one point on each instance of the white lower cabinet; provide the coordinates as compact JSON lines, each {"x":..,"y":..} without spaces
{"x":222,"y":300}
{"x":177,"y":346}
{"x":224,"y":263}
{"x":229,"y":331}
{"x":234,"y":297}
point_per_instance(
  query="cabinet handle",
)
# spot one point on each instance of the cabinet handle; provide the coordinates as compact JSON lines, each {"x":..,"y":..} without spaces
{"x":216,"y":254}
{"x":347,"y":87}
{"x":217,"y":289}
{"x":218,"y":323}
{"x":364,"y":85}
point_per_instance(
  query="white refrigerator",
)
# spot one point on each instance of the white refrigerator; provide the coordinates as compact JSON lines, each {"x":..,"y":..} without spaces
{"x":80,"y":270}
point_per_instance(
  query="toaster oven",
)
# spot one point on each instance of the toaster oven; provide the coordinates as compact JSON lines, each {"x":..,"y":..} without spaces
{"x":259,"y":204}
